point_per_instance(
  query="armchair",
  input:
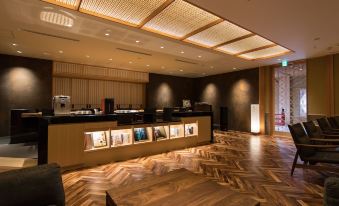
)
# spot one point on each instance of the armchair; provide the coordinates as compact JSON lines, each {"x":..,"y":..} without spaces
{"x":312,"y":153}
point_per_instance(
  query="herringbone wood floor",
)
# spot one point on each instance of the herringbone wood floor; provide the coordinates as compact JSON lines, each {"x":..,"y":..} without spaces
{"x":255,"y":165}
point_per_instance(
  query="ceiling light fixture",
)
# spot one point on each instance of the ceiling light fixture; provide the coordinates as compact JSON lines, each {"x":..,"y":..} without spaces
{"x":19,"y":52}
{"x":183,"y":21}
{"x":211,"y":67}
{"x":87,"y":56}
{"x":107,"y":34}
{"x":137,"y":41}
{"x":60,"y":51}
{"x":110,"y":59}
{"x":199,"y":56}
{"x":147,"y":65}
{"x":182,"y":52}
{"x":56,"y":18}
{"x":130,"y":62}
{"x":14,"y":44}
{"x":234,"y":68}
{"x":162,"y":67}
{"x":181,"y":70}
{"x":162,"y":47}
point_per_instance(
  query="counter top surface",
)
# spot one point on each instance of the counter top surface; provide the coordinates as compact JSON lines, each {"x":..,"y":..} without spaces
{"x":114,"y":117}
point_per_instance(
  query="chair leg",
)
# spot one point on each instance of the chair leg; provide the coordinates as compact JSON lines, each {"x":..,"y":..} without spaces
{"x":294,"y":163}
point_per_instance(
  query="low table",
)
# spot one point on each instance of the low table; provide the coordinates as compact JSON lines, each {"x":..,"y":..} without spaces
{"x":179,"y":187}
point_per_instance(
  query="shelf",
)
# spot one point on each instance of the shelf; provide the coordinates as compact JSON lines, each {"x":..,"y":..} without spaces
{"x":121,"y":137}
{"x":142,"y":134}
{"x":176,"y":131}
{"x":161,"y":132}
{"x":191,"y":129}
{"x":96,"y":140}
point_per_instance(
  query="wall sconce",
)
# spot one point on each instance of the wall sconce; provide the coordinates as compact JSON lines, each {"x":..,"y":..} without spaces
{"x":255,"y":119}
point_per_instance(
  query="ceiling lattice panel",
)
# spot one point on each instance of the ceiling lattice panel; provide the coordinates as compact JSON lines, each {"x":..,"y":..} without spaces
{"x":266,"y":53}
{"x":244,"y":45}
{"x":179,"y":19}
{"x":222,"y":32}
{"x":131,"y":12}
{"x":71,"y":4}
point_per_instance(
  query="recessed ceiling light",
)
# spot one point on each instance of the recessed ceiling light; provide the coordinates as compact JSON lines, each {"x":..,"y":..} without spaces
{"x":46,"y":53}
{"x":107,"y":34}
{"x":19,"y":52}
{"x":162,"y":47}
{"x":203,"y":73}
{"x":130,"y":62}
{"x":14,"y":44}
{"x":181,"y":70}
{"x":147,"y":65}
{"x":234,"y":68}
{"x":211,"y":67}
{"x":199,"y":56}
{"x":182,"y":52}
{"x":162,"y":67}
{"x":110,"y":59}
{"x":300,"y":69}
{"x":137,"y":41}
{"x":60,"y":51}
{"x":87,"y":56}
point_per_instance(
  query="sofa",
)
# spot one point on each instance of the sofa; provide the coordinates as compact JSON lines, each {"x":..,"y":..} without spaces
{"x":39,"y":185}
{"x":331,"y":196}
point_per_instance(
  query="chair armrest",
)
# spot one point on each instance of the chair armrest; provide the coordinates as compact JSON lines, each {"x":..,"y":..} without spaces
{"x":317,"y":146}
{"x":325,"y":140}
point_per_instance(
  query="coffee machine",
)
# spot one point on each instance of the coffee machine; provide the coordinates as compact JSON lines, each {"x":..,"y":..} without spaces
{"x":62,"y":105}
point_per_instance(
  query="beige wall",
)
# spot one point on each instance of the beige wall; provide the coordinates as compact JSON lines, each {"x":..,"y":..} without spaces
{"x":336,"y":83}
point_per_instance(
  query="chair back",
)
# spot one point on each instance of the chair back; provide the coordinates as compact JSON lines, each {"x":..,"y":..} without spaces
{"x":323,"y":124}
{"x":312,"y":130}
{"x":300,"y":137}
{"x":333,"y":122}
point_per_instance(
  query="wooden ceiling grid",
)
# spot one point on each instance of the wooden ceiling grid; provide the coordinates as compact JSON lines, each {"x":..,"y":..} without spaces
{"x":178,"y":19}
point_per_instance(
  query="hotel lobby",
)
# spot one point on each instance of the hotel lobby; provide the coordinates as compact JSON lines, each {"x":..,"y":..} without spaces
{"x":169,"y":102}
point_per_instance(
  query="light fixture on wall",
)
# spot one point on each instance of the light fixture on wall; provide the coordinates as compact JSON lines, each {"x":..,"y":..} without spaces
{"x":255,"y":119}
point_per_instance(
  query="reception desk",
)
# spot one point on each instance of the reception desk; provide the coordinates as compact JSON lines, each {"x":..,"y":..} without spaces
{"x":76,"y":141}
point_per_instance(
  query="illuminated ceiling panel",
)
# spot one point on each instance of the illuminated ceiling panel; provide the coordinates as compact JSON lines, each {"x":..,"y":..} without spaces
{"x":71,"y":4}
{"x":222,"y":32}
{"x":131,"y":12}
{"x":266,"y":53}
{"x":179,"y":19}
{"x":245,"y":45}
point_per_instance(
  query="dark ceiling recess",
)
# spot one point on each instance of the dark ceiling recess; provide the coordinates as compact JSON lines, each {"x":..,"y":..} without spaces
{"x":50,"y":35}
{"x":136,"y":52}
{"x":184,"y":61}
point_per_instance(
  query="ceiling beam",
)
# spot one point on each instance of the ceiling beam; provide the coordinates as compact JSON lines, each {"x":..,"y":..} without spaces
{"x":233,"y":40}
{"x":202,"y":29}
{"x":155,"y":12}
{"x":256,"y":49}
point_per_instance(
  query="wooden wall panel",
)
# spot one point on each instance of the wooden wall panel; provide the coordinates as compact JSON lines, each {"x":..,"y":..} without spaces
{"x":89,"y":84}
{"x":79,"y":95}
{"x":62,"y":86}
{"x":80,"y":71}
{"x":319,"y":90}
{"x":336,"y":83}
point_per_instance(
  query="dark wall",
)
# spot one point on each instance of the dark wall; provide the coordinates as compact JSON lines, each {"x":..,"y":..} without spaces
{"x":168,"y":91}
{"x":235,"y":90}
{"x":24,"y":83}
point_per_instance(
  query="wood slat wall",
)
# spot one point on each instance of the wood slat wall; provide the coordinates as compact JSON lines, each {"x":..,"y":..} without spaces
{"x":63,"y":69}
{"x":91,"y":90}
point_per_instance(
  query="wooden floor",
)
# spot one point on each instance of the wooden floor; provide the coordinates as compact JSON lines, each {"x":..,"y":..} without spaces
{"x":258,"y":166}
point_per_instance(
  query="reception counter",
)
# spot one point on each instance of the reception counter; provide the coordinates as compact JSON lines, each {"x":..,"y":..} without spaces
{"x":76,"y":141}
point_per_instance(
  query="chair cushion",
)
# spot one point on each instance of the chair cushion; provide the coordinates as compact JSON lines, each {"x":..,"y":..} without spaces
{"x":331,"y":197}
{"x":39,"y":185}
